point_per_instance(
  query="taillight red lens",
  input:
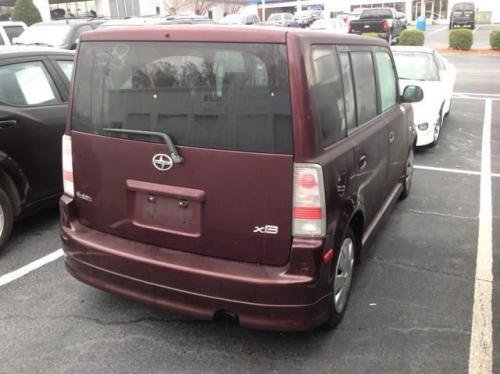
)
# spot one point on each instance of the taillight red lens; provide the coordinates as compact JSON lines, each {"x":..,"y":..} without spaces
{"x":309,"y":217}
{"x":308,"y":180}
{"x":67,"y":166}
{"x":385,"y":26}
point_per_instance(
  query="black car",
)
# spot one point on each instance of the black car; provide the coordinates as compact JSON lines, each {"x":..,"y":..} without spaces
{"x":34,"y":88}
{"x":463,"y":14}
{"x":386,"y":22}
{"x":61,"y":34}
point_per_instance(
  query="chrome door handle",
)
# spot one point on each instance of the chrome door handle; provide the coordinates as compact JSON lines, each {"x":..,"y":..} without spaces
{"x":391,"y":136}
{"x":362,"y":162}
{"x":7,"y":123}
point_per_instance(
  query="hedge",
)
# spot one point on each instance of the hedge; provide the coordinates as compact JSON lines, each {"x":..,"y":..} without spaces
{"x":25,"y":11}
{"x":412,"y":37}
{"x":495,"y":39}
{"x":461,"y":39}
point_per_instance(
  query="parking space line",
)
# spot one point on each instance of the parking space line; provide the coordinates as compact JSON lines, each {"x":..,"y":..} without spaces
{"x":456,"y":171}
{"x":477,"y":28}
{"x":481,"y":342}
{"x":21,"y":272}
{"x":436,"y":31}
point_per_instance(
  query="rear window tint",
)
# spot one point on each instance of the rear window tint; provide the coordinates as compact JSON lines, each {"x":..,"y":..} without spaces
{"x":230,"y":96}
{"x":376,"y":13}
{"x":13,"y":31}
{"x":463,"y":6}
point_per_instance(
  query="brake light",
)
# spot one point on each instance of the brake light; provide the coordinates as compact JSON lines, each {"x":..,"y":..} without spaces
{"x":385,"y":26}
{"x":67,"y":166}
{"x":309,"y":216}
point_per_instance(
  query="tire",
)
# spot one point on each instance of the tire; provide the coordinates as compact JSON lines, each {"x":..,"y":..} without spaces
{"x":389,"y":39}
{"x":341,"y":279}
{"x":408,"y":175}
{"x":438,"y":127}
{"x":473,"y":26}
{"x":6,"y":218}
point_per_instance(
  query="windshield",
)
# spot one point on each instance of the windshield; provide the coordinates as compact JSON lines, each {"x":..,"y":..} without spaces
{"x":376,"y":13}
{"x":232,"y":19}
{"x":210,"y":95}
{"x":52,"y":35}
{"x":463,"y":6}
{"x":416,"y":66}
{"x":275,"y":17}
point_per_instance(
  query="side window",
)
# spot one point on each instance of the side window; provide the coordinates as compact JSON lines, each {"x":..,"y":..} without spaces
{"x":386,"y":80}
{"x":13,"y":31}
{"x":327,"y":95}
{"x":350,"y":101}
{"x":364,"y":83}
{"x":26,"y":84}
{"x":67,"y":68}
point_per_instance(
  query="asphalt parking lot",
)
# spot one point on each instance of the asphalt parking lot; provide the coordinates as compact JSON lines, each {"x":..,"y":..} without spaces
{"x":412,"y":305}
{"x":436,"y":36}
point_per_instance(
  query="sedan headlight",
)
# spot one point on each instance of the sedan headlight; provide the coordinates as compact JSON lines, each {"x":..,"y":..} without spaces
{"x":423,"y":126}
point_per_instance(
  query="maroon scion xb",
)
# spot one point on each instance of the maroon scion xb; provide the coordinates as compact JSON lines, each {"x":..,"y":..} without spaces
{"x":234,"y":171}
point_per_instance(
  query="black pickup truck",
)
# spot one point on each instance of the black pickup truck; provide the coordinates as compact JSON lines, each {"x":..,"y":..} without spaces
{"x":383,"y":21}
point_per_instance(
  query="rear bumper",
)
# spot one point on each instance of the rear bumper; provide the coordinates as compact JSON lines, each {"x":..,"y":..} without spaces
{"x":293,"y":297}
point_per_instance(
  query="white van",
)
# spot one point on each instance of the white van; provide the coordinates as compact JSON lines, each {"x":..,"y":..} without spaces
{"x":10,"y":30}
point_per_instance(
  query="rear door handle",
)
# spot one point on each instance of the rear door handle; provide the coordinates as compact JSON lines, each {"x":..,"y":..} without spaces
{"x":362,"y":162}
{"x":7,"y":123}
{"x":391,"y":136}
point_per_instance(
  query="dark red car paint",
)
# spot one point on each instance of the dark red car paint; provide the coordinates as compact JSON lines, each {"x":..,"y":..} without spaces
{"x":279,"y":283}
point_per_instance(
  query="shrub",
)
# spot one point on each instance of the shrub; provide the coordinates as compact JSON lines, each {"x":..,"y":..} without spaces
{"x":412,"y":37}
{"x":495,"y":39}
{"x":26,"y":11}
{"x":461,"y":39}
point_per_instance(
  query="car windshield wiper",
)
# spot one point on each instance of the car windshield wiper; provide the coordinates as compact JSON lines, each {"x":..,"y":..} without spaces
{"x":411,"y":79}
{"x":35,"y":43}
{"x":176,"y":157}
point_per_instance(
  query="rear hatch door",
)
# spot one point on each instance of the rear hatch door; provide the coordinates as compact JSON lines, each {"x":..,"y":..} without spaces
{"x":226,"y":109}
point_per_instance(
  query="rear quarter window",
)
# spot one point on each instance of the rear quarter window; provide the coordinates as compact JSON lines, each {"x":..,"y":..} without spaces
{"x":210,"y":95}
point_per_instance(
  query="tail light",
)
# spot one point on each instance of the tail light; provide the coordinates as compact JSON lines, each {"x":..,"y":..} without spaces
{"x":385,"y":26}
{"x":67,"y":166}
{"x":309,"y":216}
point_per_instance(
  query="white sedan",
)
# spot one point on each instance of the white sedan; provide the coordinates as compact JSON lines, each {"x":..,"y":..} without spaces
{"x":426,"y":68}
{"x":330,"y":24}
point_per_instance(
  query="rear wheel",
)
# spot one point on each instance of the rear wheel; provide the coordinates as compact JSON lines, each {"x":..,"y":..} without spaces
{"x":437,"y":128}
{"x":341,"y":279}
{"x":6,"y":217}
{"x":408,"y":176}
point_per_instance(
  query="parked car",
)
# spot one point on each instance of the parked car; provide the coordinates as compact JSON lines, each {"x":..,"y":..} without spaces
{"x":62,"y":34}
{"x":463,"y":14}
{"x":436,"y":76}
{"x":383,"y":21}
{"x":281,"y":20}
{"x":330,"y":24}
{"x":10,"y":30}
{"x":33,"y":102}
{"x":240,"y":19}
{"x":306,"y":17}
{"x":403,"y":19}
{"x":232,"y":171}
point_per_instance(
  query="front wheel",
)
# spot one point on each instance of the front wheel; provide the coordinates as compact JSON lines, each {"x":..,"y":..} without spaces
{"x":408,"y":175}
{"x":437,"y":128}
{"x":6,"y":217}
{"x":340,"y":285}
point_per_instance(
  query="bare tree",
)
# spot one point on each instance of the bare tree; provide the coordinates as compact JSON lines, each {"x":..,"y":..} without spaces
{"x":233,"y":6}
{"x":174,"y":7}
{"x":201,"y":7}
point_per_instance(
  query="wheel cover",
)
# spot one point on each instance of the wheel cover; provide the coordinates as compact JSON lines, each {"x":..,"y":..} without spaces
{"x":343,"y":275}
{"x":2,"y":220}
{"x":409,"y":171}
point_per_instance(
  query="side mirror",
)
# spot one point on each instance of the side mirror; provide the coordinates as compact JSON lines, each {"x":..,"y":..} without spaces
{"x":412,"y":94}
